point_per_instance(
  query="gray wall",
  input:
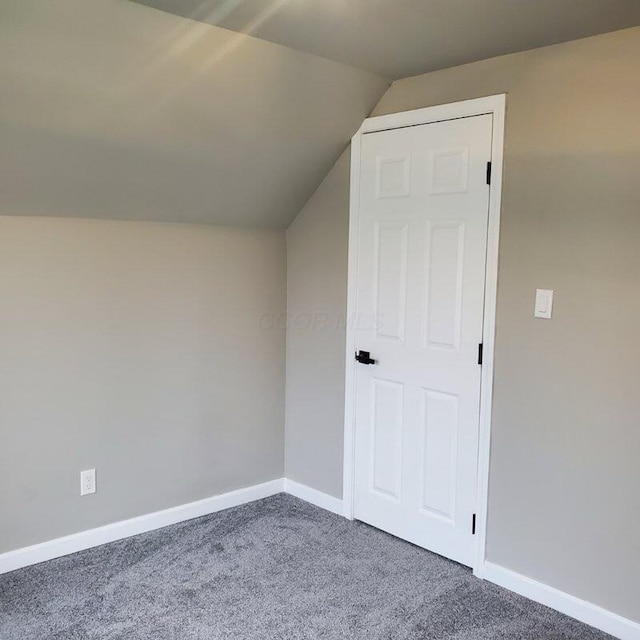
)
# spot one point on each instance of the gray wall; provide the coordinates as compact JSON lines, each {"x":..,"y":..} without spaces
{"x":563,"y":505}
{"x":316,"y":296}
{"x":138,"y":349}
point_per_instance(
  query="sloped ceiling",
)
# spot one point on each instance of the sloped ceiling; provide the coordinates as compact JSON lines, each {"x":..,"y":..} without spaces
{"x":112,"y":109}
{"x":401,"y":38}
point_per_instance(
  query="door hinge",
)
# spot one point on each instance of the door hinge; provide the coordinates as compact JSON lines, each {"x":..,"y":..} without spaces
{"x":473,"y":525}
{"x":489,"y":172}
{"x":480,"y":353}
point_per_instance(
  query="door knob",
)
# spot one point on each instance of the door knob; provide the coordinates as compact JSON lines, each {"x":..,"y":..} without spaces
{"x":364,"y":357}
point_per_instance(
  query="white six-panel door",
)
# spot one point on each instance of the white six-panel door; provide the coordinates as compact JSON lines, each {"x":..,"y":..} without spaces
{"x":422,"y":242}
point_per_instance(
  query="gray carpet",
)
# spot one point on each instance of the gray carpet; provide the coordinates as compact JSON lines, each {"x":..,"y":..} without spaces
{"x":275,"y":569}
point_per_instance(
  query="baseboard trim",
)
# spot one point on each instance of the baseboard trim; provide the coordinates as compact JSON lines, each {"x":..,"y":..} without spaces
{"x":582,"y":610}
{"x":313,"y":496}
{"x":12,"y":560}
{"x":586,"y":612}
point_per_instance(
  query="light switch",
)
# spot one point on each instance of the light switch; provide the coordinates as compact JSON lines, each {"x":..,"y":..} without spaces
{"x":544,"y":303}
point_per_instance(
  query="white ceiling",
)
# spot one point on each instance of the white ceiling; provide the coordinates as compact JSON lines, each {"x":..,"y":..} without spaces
{"x":110,"y":109}
{"x":400,"y":38}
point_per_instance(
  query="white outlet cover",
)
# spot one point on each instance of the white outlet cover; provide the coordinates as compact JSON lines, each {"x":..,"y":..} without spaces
{"x":87,"y":482}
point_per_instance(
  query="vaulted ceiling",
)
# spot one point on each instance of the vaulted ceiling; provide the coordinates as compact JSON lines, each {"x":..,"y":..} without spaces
{"x":114,"y":109}
{"x":400,"y":38}
{"x":110,"y":109}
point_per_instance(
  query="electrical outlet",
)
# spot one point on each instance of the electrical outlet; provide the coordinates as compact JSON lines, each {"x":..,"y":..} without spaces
{"x":87,"y":482}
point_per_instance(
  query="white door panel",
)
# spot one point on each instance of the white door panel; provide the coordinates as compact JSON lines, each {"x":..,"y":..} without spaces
{"x":420,"y":295}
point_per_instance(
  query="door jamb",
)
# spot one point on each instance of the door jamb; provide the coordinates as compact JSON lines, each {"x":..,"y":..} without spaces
{"x":496,"y":106}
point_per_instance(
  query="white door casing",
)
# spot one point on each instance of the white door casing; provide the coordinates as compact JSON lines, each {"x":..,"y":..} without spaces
{"x":420,"y":220}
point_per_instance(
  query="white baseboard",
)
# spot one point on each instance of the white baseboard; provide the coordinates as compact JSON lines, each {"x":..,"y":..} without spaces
{"x":27,"y":556}
{"x":586,"y":612}
{"x":37,"y":553}
{"x":313,"y":496}
{"x":582,"y":610}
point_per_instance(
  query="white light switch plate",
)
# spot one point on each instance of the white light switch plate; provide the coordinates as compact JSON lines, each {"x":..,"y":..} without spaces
{"x":544,"y":303}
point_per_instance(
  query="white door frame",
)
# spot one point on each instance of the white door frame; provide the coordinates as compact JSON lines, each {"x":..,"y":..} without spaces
{"x":495,"y":105}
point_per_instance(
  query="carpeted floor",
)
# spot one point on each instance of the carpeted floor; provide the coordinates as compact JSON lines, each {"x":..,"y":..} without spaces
{"x":274,"y":569}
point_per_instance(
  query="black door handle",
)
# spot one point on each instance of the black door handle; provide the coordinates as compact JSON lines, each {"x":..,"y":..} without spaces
{"x":364,"y":357}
